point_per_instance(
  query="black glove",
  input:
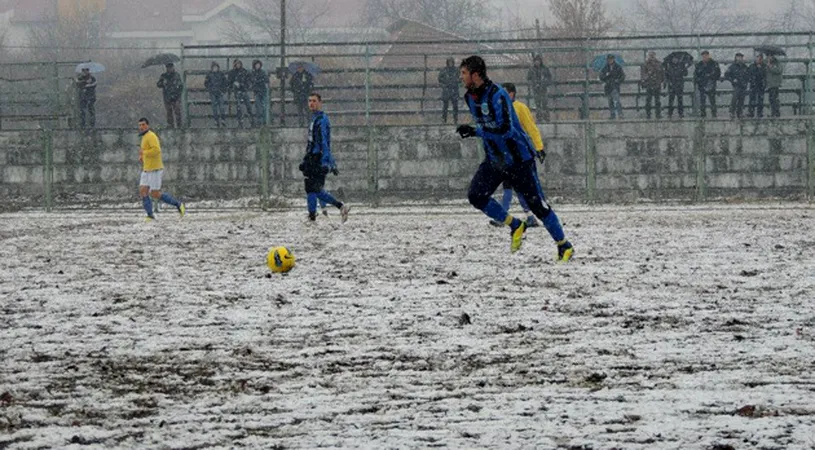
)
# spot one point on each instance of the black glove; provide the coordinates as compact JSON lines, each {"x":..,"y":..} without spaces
{"x":465,"y":131}
{"x":302,"y":167}
{"x":335,"y":172}
{"x":541,"y":156}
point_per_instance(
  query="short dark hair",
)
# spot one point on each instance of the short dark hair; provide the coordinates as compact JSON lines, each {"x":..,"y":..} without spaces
{"x":144,"y":119}
{"x":705,"y":53}
{"x":315,"y":94}
{"x":475,"y":64}
{"x":510,"y":87}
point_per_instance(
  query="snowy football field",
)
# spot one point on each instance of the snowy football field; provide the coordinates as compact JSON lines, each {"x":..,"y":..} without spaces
{"x":412,"y":327}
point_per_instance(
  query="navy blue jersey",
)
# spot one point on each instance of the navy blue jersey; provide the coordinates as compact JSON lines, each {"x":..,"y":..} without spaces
{"x":505,"y":142}
{"x":319,"y":139}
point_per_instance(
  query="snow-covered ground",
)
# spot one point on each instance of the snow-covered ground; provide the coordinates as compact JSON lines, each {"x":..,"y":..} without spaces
{"x":674,"y":328}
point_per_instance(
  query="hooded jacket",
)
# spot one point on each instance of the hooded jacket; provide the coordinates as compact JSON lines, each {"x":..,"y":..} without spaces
{"x":215,"y":82}
{"x":258,"y":78}
{"x":238,"y":78}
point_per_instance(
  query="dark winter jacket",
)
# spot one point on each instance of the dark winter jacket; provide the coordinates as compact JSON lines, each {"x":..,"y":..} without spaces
{"x":318,"y":159}
{"x":448,"y":79}
{"x":86,"y":85}
{"x":706,"y":75}
{"x":652,"y":74}
{"x":302,"y":83}
{"x":238,"y":78}
{"x":216,"y":83}
{"x":172,"y":85}
{"x":613,"y":76}
{"x":738,"y":74}
{"x":775,"y":74}
{"x":539,"y":77}
{"x":675,"y":74}
{"x":258,"y":78}
{"x":758,"y":77}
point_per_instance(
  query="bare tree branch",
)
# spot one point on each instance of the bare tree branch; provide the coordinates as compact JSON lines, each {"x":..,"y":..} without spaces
{"x":68,"y":37}
{"x":263,"y":21}
{"x":463,"y":17}
{"x":798,"y":16}
{"x":689,"y":16}
{"x":579,"y":18}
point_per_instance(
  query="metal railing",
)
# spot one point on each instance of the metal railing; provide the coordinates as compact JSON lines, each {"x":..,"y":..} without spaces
{"x":399,"y":77}
{"x":394,"y":82}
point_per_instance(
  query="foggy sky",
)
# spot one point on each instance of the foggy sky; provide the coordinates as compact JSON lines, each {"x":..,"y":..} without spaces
{"x":540,"y":8}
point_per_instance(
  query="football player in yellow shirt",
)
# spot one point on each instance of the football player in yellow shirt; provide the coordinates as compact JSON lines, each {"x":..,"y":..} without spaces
{"x":152,"y":171}
{"x":528,"y":124}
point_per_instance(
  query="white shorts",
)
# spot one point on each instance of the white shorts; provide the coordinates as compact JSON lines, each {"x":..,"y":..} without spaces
{"x":152,"y":179}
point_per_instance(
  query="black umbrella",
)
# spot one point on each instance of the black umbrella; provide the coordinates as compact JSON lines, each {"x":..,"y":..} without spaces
{"x":162,"y":59}
{"x":771,"y":50}
{"x":685,"y":57}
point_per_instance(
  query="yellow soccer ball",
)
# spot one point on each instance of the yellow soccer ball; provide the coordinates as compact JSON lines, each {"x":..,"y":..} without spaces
{"x":280,"y":260}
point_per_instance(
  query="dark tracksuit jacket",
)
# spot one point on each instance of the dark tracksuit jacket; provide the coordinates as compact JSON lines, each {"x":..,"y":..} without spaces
{"x":505,"y":142}
{"x":509,"y":152}
{"x":318,"y":160}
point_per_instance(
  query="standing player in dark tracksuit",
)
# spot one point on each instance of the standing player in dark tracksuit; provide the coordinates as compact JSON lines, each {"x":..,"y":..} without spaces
{"x":510,"y":156}
{"x":318,"y":161}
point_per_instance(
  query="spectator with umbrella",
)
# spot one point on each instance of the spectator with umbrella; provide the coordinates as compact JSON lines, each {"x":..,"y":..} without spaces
{"x":85,"y":84}
{"x":706,"y":76}
{"x":738,"y":74}
{"x":758,"y":84}
{"x":302,"y":84}
{"x":676,"y":69}
{"x":216,"y":85}
{"x":652,"y":75}
{"x":172,"y":87}
{"x":238,"y":79}
{"x":613,"y":76}
{"x":775,"y":77}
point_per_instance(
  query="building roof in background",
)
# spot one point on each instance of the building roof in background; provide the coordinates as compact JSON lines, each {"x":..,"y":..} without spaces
{"x":400,"y":53}
{"x":200,"y":7}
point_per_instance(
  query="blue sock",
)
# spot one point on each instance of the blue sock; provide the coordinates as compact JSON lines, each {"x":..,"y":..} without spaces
{"x":168,"y":199}
{"x":506,"y":200}
{"x":552,"y":224}
{"x":499,"y":214}
{"x":311,"y":200}
{"x":328,"y":199}
{"x":148,"y":205}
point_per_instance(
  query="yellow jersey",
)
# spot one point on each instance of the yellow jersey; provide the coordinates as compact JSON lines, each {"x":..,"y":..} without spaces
{"x":528,"y":124}
{"x":151,"y":152}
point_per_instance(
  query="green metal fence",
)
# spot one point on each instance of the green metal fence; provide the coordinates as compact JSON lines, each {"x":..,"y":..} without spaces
{"x":399,"y":86}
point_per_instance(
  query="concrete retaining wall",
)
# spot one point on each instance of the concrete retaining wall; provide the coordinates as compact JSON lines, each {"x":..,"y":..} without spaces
{"x":598,"y":161}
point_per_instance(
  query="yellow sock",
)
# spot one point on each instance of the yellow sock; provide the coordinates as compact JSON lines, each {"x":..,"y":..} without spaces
{"x":508,"y":220}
